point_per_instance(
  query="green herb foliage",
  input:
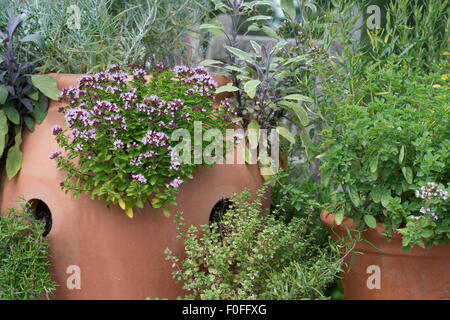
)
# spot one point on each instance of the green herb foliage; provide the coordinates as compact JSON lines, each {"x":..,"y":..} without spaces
{"x":252,"y":255}
{"x":87,"y":36}
{"x":24,"y":253}
{"x":121,"y":134}
{"x":380,"y":151}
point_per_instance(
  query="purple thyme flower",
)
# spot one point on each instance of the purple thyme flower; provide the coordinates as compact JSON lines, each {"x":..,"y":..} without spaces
{"x":56,"y":129}
{"x":79,"y":147}
{"x":77,"y":114}
{"x":173,"y":125}
{"x":132,"y":145}
{"x":73,"y":135}
{"x":112,"y":89}
{"x":139,"y":178}
{"x":154,"y":101}
{"x":431,"y":190}
{"x":175,"y":183}
{"x":139,"y":74}
{"x":118,"y":144}
{"x":129,"y":96}
{"x":54,"y":154}
{"x":114,"y":68}
{"x":198,"y":108}
{"x":154,"y":138}
{"x":88,"y":135}
{"x":433,"y":216}
{"x":185,"y":116}
{"x":119,"y":78}
{"x":101,"y":77}
{"x":175,"y":105}
{"x":135,"y":162}
{"x":141,"y":107}
{"x":175,"y":165}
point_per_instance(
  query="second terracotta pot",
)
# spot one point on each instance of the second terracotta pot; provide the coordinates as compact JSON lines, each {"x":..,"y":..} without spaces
{"x":391,"y":273}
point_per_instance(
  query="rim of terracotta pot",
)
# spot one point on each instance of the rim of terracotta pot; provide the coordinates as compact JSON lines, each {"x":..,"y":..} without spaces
{"x":65,"y":80}
{"x":376,"y":238}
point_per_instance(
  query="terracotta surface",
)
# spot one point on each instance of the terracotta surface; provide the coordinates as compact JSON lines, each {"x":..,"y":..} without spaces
{"x":119,"y":258}
{"x":418,"y":274}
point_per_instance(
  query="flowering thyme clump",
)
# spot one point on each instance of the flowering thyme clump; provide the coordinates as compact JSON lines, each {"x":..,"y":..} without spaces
{"x":120,"y":127}
{"x":429,"y":192}
{"x":433,"y":221}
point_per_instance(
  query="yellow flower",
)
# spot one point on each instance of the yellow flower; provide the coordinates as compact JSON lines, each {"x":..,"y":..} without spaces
{"x":437,"y":86}
{"x":444,"y":77}
{"x":446,"y":53}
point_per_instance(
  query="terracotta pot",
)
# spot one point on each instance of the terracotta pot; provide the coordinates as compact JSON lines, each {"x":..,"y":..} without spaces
{"x":418,"y":274}
{"x":118,"y":257}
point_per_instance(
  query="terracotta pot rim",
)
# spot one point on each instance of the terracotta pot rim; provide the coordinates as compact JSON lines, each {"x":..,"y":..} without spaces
{"x":75,"y":76}
{"x":377,"y":239}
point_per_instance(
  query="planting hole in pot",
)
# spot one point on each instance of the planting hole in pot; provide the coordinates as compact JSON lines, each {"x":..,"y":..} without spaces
{"x":219,"y":209}
{"x":217,"y":212}
{"x":42,"y":212}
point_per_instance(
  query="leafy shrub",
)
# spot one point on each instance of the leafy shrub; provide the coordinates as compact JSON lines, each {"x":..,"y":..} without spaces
{"x":23,"y":96}
{"x":121,"y":134}
{"x":416,"y":31}
{"x":24,"y":254}
{"x":379,"y":153}
{"x":110,"y":32}
{"x":260,"y":78}
{"x":252,"y":255}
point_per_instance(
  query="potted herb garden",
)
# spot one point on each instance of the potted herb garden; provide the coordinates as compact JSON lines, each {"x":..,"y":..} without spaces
{"x":110,"y":136}
{"x":386,"y":163}
{"x":110,"y":148}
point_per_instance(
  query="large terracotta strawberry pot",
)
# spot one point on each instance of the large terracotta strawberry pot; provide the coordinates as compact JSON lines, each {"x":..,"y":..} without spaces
{"x":390,"y":273}
{"x":99,"y":253}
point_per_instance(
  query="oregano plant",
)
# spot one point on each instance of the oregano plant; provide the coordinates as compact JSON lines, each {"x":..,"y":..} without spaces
{"x":386,"y":158}
{"x":122,"y":142}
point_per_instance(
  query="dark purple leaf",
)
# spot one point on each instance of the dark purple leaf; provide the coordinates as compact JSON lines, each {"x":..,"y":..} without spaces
{"x":14,"y":77}
{"x":26,"y":102}
{"x":26,"y":89}
{"x":11,"y":90}
{"x":24,"y":66}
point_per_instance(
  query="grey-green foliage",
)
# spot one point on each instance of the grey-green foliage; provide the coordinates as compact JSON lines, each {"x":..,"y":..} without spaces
{"x":24,"y":263}
{"x":416,"y":30}
{"x":111,"y":31}
{"x":252,"y":255}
